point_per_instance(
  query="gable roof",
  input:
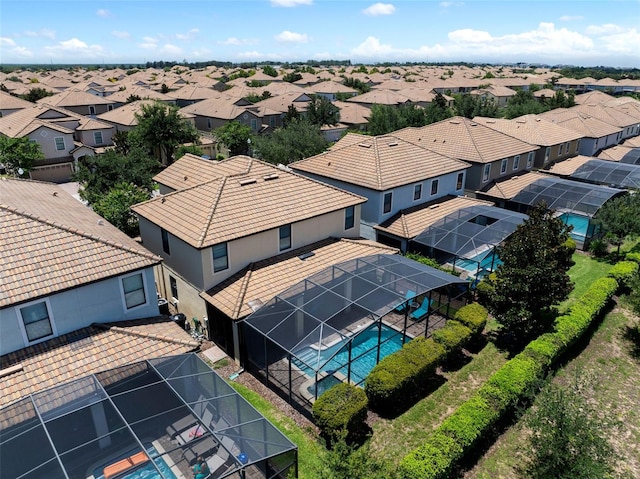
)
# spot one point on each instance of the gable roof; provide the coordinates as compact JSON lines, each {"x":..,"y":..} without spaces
{"x":262,"y":280}
{"x":191,"y":170}
{"x":378,"y":162}
{"x":532,"y":129}
{"x":587,"y":125}
{"x":465,"y":139}
{"x":380,"y":97}
{"x":74,"y":97}
{"x":126,"y":114}
{"x":10,"y":102}
{"x":227,"y":206}
{"x":88,"y":350}
{"x":50,"y":242}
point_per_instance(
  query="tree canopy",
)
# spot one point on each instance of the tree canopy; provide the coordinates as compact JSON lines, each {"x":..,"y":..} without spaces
{"x":619,"y":218}
{"x":234,"y":136}
{"x":322,"y":112}
{"x":16,"y":153}
{"x":35,"y":94}
{"x":471,"y":106}
{"x":161,"y":129}
{"x":115,"y":206}
{"x":533,"y":275}
{"x":299,"y":139}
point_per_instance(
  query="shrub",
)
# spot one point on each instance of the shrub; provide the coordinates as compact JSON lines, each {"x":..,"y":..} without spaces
{"x":598,"y":248}
{"x":341,"y":408}
{"x":473,"y":316}
{"x":397,"y":377}
{"x":633,"y":257}
{"x":623,"y":272}
{"x":435,"y":458}
{"x":452,"y":336}
{"x":568,"y":248}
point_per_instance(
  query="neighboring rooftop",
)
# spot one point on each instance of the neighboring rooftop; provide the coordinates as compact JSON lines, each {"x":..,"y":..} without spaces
{"x":532,"y":129}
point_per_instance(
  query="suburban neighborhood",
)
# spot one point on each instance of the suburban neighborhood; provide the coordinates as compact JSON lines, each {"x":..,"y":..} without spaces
{"x":262,"y":271}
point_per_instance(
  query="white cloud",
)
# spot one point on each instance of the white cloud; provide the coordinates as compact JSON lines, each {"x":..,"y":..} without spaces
{"x":451,"y":4}
{"x":623,"y":42}
{"x":149,"y":40}
{"x":121,"y":35}
{"x":372,"y":47}
{"x":379,"y":9}
{"x":237,"y":41}
{"x":148,"y":45}
{"x":43,"y":32}
{"x":103,"y":13}
{"x":190,"y":35}
{"x":467,"y":35}
{"x":201,"y":53}
{"x":292,"y":37}
{"x":606,"y":29}
{"x":570,"y":18}
{"x":7,"y":42}
{"x":169,"y":49}
{"x":254,"y":55}
{"x":290,"y":3}
{"x":12,"y":50}
{"x":74,"y":48}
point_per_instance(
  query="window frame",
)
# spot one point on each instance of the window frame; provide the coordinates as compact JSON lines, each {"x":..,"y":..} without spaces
{"x":95,"y":138}
{"x":166,"y":243}
{"x":173,"y":286}
{"x":504,"y":165}
{"x":417,"y":188}
{"x":23,"y":326}
{"x":560,"y":149}
{"x":124,"y":293}
{"x":386,"y":210}
{"x":530,"y":157}
{"x":460,"y":181}
{"x":55,"y":142}
{"x":516,"y":162}
{"x":226,"y":255}
{"x":486,"y":172}
{"x":286,"y":237}
{"x":435,"y":184}
{"x":349,"y":219}
{"x":547,"y":154}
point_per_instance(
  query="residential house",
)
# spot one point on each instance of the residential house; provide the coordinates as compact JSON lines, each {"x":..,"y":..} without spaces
{"x":121,"y":97}
{"x":10,"y":104}
{"x":216,"y":112}
{"x":492,"y":154}
{"x":331,"y":90}
{"x":124,"y":118}
{"x":500,"y":95}
{"x":63,"y":136}
{"x":80,"y":102}
{"x":64,"y":267}
{"x":630,"y":125}
{"x":190,"y":94}
{"x":554,"y":142}
{"x":354,"y":116}
{"x":224,"y":216}
{"x":392,"y":173}
{"x":597,"y":171}
{"x":380,"y":97}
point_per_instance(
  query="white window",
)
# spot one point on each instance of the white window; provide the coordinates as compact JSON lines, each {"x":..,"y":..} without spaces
{"x":417,"y":191}
{"x":59,"y":143}
{"x":567,"y":147}
{"x":434,"y":187}
{"x":578,"y":145}
{"x":547,"y":154}
{"x":174,"y":287}
{"x":530,"y":160}
{"x":503,"y":166}
{"x":386,"y":203}
{"x":220,"y":257}
{"x":486,"y":172}
{"x":97,"y":136}
{"x":285,"y":237}
{"x":516,"y":162}
{"x":133,"y":288}
{"x":254,"y":124}
{"x":36,"y":320}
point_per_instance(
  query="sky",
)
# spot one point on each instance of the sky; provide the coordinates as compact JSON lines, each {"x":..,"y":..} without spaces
{"x":583,"y":33}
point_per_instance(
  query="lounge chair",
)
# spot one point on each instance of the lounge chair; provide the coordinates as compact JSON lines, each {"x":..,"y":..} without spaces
{"x":218,"y":461}
{"x":408,"y":296}
{"x":422,"y":310}
{"x":196,"y":430}
{"x":202,"y":447}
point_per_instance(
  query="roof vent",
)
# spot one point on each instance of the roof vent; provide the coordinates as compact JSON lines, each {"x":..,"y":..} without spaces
{"x":247,"y":181}
{"x":365,"y":145}
{"x":185,"y":177}
{"x":393,"y":143}
{"x":272,"y":176}
{"x":454,"y":122}
{"x":306,"y":255}
{"x":473,"y":124}
{"x":433,"y":207}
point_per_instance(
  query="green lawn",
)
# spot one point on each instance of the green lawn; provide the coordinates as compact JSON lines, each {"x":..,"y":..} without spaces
{"x":584,"y":272}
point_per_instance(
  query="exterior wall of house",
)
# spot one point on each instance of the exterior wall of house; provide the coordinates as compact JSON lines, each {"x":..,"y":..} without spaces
{"x":88,"y":138}
{"x":476,"y":178}
{"x":188,"y":299}
{"x":100,"y":302}
{"x":205,"y":123}
{"x":45,"y":137}
{"x":605,"y":142}
{"x":84,"y":109}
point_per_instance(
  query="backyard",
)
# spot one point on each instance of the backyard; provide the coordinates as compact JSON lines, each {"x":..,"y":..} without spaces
{"x":608,"y":354}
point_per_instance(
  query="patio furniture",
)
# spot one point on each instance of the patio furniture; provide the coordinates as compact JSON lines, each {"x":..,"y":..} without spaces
{"x":124,"y":465}
{"x":422,"y":310}
{"x":408,"y":296}
{"x":195,"y":431}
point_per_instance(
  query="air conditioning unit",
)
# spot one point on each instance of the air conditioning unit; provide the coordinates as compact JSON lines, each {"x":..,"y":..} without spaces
{"x":175,"y":302}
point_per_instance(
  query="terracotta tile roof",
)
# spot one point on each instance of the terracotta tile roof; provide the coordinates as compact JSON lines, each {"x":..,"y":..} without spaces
{"x":352,"y":113}
{"x":126,"y":114}
{"x":595,"y":96}
{"x":191,"y":170}
{"x":193,"y":93}
{"x":281,"y":103}
{"x":142,"y":92}
{"x":507,"y":189}
{"x":27,"y":120}
{"x":466,"y":140}
{"x":89,"y":350}
{"x":220,"y":106}
{"x":380,"y":97}
{"x":585,"y":124}
{"x":378,"y":162}
{"x":411,"y":222}
{"x":568,"y":166}
{"x":545,"y":92}
{"x":74,"y":97}
{"x":632,"y":142}
{"x":228,"y":207}
{"x":264,"y":279}
{"x":50,"y":242}
{"x":616,"y":152}
{"x":330,"y":86}
{"x":532,"y":129}
{"x":10,"y":102}
{"x":612,"y":116}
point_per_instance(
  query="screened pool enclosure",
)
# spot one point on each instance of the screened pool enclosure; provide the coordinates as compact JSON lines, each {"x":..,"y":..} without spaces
{"x":467,"y":238}
{"x":149,"y":420}
{"x":337,"y":324}
{"x":612,"y":173}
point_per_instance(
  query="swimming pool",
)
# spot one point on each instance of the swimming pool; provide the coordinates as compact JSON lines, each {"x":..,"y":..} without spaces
{"x":580,"y":225}
{"x":364,"y":354}
{"x":485,"y":259}
{"x":146,"y":472}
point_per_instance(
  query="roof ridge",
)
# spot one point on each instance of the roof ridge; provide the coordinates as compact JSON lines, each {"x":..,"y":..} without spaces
{"x":83,"y":234}
{"x":243,"y":290}
{"x":212,"y":211}
{"x":473,"y":140}
{"x":371,"y":243}
{"x":377,"y":160}
{"x":139,"y":334}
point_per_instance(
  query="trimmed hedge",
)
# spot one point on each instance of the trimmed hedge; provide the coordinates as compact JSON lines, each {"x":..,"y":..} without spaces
{"x":452,"y":336}
{"x":635,"y":257}
{"x":473,"y":316}
{"x":623,"y":272}
{"x":512,"y":383}
{"x":397,"y":376}
{"x":342,"y":407}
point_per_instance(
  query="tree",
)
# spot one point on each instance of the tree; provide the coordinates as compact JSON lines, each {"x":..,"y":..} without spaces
{"x":299,"y":139}
{"x":523,"y":103}
{"x":35,"y":94}
{"x":532,"y":277}
{"x":569,"y":435}
{"x":121,"y":141}
{"x":161,"y":129}
{"x":115,"y":206}
{"x":292,"y":77}
{"x":184,"y":149}
{"x":322,"y":112}
{"x":619,"y":218}
{"x":291,"y":115}
{"x":471,"y":106}
{"x":99,"y":174}
{"x":16,"y":153}
{"x":234,"y":136}
{"x":438,"y":110}
{"x":269,"y":70}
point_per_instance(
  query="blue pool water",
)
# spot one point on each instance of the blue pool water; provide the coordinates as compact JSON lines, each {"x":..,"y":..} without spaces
{"x":580,"y":225}
{"x":146,"y":472}
{"x":364,"y":353}
{"x":484,"y":259}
